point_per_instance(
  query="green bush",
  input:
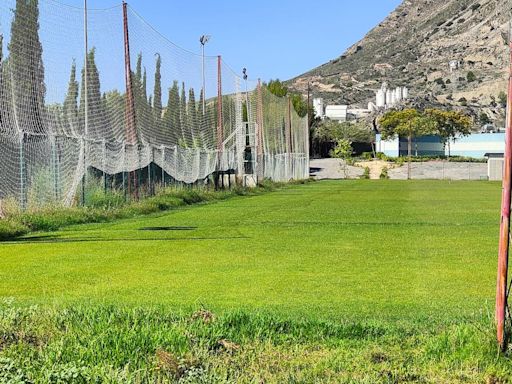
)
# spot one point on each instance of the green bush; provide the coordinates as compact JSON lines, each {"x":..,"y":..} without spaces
{"x":10,"y":229}
{"x":470,"y":77}
{"x":367,"y":155}
{"x":384,"y":173}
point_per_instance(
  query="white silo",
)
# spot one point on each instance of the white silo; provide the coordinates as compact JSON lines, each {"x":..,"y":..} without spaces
{"x":398,"y":94}
{"x":318,"y":106}
{"x":405,"y":93}
{"x":381,"y":98}
{"x":389,"y":98}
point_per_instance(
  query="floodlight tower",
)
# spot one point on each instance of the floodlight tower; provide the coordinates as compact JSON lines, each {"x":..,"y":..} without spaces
{"x":245,"y":77}
{"x":203,"y":40}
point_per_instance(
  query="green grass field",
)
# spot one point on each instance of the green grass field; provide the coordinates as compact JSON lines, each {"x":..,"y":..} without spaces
{"x":352,"y":281}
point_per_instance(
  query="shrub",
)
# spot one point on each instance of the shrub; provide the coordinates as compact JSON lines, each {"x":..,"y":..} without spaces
{"x":367,"y":155}
{"x":366,"y":173}
{"x":384,"y":173}
{"x":10,"y":229}
{"x":470,"y":77}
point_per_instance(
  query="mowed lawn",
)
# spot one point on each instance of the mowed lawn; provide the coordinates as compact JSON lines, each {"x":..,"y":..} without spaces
{"x":352,"y":249}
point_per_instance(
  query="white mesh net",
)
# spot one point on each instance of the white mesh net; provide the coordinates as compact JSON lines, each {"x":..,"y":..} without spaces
{"x":161,"y":122}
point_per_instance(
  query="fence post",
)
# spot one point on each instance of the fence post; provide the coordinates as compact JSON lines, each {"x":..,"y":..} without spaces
{"x":288,"y":134}
{"x":123,"y":172}
{"x":104,"y":165}
{"x":220,"y":127}
{"x":84,"y":159}
{"x":162,"y":166}
{"x":260,"y":171}
{"x":54,"y":166}
{"x":23,"y":201}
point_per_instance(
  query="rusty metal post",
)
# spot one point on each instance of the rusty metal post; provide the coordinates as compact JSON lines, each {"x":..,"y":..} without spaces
{"x":131,"y":134}
{"x":501,"y":284}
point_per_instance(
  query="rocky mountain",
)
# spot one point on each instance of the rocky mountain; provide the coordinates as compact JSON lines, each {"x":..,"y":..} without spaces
{"x":451,"y":52}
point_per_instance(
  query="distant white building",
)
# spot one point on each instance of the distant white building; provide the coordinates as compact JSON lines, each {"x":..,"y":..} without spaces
{"x":385,"y":98}
{"x":333,"y":112}
{"x":336,"y":112}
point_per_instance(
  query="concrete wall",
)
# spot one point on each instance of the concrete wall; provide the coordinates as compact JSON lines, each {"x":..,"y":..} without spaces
{"x":495,"y":168}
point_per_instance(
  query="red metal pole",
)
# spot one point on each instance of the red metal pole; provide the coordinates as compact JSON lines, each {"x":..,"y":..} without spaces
{"x":501,"y":286}
{"x":131,"y":135}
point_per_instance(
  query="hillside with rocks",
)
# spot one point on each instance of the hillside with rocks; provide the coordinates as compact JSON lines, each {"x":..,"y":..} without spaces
{"x":414,"y":47}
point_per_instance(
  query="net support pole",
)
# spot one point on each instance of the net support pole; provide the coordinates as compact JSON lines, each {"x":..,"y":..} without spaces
{"x":104,"y":165}
{"x":130,"y":102}
{"x":162,"y":166}
{"x":220,"y":128}
{"x":288,"y":138}
{"x":55,"y":169}
{"x":86,"y":98}
{"x":259,"y":133}
{"x":503,"y":253}
{"x":23,"y":187}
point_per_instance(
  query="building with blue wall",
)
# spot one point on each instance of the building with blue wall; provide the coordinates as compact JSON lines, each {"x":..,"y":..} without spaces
{"x":475,"y":145}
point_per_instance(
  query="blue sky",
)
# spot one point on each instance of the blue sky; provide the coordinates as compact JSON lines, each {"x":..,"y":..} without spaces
{"x":272,"y":38}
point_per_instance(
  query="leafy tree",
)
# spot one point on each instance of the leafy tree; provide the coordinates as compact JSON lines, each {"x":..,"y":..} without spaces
{"x":277,"y":88}
{"x":343,"y":151}
{"x":450,"y":124}
{"x":26,"y":67}
{"x":408,"y":123}
{"x":70,"y":108}
{"x":333,"y":131}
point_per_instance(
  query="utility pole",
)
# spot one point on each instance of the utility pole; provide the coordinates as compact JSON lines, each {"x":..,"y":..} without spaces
{"x":502,"y":279}
{"x":203,"y":40}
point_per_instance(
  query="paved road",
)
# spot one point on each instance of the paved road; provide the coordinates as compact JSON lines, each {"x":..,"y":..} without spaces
{"x":333,"y":169}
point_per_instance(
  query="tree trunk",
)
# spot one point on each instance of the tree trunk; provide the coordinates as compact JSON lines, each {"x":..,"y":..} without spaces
{"x":409,"y":152}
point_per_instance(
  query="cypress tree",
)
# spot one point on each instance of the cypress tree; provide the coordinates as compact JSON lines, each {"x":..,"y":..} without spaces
{"x":183,"y":116}
{"x":96,"y":127}
{"x":172,"y":115}
{"x":157,"y":92}
{"x":26,"y":68}
{"x":70,"y":108}
{"x":192,"y":118}
{"x":138,"y":70}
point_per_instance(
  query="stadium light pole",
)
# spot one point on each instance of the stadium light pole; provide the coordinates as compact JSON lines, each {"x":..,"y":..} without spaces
{"x":203,"y":40}
{"x":245,"y":77}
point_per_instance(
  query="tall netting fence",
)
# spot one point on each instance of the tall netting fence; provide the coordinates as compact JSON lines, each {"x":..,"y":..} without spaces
{"x":134,"y":112}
